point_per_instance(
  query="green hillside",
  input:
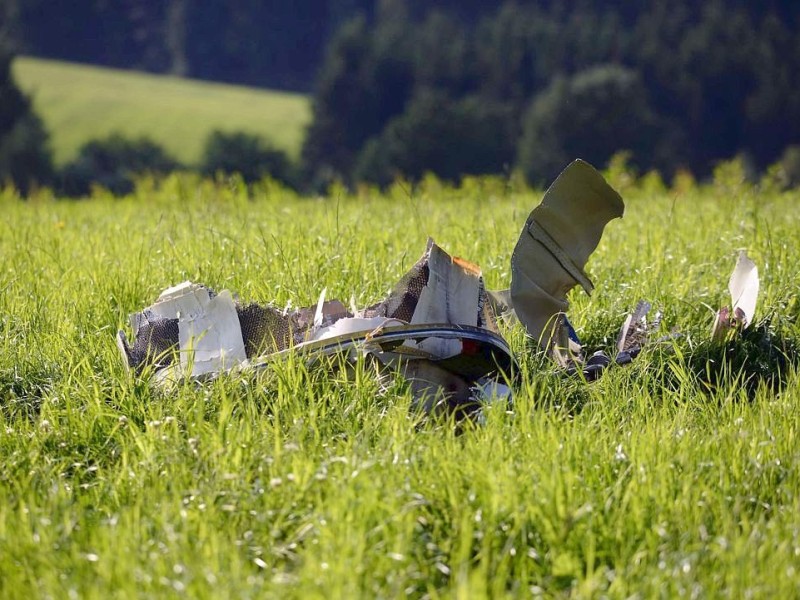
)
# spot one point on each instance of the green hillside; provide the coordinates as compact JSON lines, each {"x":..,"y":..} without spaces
{"x":79,"y":102}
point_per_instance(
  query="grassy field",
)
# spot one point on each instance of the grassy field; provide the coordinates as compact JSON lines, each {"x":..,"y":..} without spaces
{"x":295,"y":483}
{"x":80,"y":102}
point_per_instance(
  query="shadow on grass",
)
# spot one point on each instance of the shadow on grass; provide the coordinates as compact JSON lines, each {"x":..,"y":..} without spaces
{"x":754,"y":358}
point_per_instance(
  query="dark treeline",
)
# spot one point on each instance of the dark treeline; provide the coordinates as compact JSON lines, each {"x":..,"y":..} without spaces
{"x":532,"y":85}
{"x":272,"y":43}
{"x":275,"y":43}
{"x":402,"y":87}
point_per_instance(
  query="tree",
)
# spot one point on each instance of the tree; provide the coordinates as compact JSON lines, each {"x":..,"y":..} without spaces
{"x":114,"y":163}
{"x":437,"y":134}
{"x":366,"y":80}
{"x":24,"y":153}
{"x":592,"y":115}
{"x":246,"y":154}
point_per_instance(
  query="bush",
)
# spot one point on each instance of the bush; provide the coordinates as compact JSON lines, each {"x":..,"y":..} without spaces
{"x":114,"y":163}
{"x":448,"y":138}
{"x":245,"y":154}
{"x":364,"y":81}
{"x":790,"y":166}
{"x":592,"y":115}
{"x":24,"y":153}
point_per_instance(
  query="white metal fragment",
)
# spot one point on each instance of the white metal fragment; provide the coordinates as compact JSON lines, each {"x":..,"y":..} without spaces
{"x":211,"y":338}
{"x":350,"y":325}
{"x":743,"y":287}
{"x":209,"y":334}
{"x":450,"y":296}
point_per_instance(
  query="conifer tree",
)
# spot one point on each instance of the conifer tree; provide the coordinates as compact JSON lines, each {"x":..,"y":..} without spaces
{"x":24,"y":155}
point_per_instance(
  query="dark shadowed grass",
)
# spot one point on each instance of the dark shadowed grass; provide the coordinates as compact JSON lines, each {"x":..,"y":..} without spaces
{"x":674,"y":476}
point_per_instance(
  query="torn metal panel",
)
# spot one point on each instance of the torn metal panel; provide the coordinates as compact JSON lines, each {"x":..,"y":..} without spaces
{"x":209,"y":334}
{"x":554,"y":246}
{"x":452,"y":295}
{"x":439,"y":288}
{"x":209,"y":337}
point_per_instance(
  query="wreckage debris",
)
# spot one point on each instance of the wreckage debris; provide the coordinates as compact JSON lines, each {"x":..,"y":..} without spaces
{"x":437,"y":327}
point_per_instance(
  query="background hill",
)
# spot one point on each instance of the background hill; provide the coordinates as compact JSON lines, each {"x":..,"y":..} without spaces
{"x":78,"y":103}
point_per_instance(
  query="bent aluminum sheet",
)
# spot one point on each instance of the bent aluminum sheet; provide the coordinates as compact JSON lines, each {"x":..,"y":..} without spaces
{"x":480,"y":352}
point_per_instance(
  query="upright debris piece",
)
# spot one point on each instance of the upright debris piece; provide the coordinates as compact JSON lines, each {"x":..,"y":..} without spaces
{"x":743,"y":287}
{"x":557,"y":240}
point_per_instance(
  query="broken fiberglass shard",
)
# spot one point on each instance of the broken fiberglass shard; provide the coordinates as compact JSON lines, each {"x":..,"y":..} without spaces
{"x":557,"y":240}
{"x":209,"y":334}
{"x":635,"y":329}
{"x":438,"y":289}
{"x":452,"y":295}
{"x":743,"y":287}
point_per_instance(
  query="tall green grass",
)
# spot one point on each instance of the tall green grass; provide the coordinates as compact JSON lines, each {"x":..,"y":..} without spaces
{"x":298,"y":483}
{"x":81,"y":102}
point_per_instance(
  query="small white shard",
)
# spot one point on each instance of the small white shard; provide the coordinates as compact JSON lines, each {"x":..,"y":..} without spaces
{"x":743,"y":287}
{"x":623,"y":332}
{"x":635,"y":329}
{"x":209,"y":333}
{"x":122,"y":346}
{"x":318,"y":315}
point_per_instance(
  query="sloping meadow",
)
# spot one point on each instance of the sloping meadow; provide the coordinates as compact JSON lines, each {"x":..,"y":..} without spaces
{"x":677,"y":474}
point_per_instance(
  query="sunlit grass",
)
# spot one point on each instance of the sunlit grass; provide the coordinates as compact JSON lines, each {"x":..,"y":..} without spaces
{"x":298,"y":482}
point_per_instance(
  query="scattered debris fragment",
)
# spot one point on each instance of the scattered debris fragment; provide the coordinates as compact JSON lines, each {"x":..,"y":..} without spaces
{"x":743,"y":286}
{"x":437,"y":327}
